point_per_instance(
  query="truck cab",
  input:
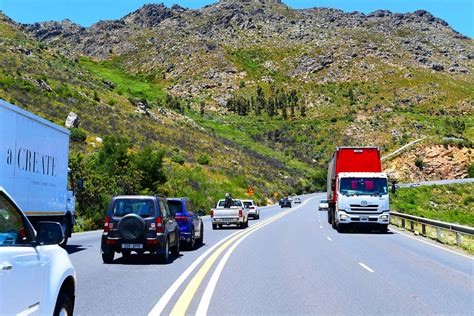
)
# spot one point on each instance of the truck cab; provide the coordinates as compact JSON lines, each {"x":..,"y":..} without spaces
{"x":363,"y":198}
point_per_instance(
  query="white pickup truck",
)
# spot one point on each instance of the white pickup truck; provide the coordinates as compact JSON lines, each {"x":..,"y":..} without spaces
{"x":235,"y":215}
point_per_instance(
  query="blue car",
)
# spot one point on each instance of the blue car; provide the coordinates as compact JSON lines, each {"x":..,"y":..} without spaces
{"x":192,"y":229}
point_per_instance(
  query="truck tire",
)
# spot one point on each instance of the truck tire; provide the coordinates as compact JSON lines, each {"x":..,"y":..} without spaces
{"x":64,"y":305}
{"x":340,"y":228}
{"x":67,"y":231}
{"x":333,"y":220}
{"x":383,"y":228}
{"x":214,"y":226}
{"x":108,"y":257}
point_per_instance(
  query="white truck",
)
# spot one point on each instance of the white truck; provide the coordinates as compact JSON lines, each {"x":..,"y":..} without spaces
{"x":237,"y":214}
{"x":34,"y":166}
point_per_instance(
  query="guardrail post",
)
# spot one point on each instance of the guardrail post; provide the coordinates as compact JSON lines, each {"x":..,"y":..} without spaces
{"x":458,"y":239}
{"x":412,"y":226}
{"x":423,"y":229}
{"x":438,"y":234}
{"x":403,"y":223}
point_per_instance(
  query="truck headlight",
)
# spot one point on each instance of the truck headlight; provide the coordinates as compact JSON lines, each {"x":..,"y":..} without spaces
{"x":384,"y":217}
{"x":343,"y":216}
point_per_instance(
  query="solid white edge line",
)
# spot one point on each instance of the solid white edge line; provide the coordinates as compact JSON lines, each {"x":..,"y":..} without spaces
{"x":436,"y":246}
{"x":211,"y":286}
{"x":329,"y":238}
{"x":164,"y":300}
{"x":366,"y":267}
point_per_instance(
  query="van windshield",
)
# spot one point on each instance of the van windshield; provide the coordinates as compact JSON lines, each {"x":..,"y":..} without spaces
{"x":143,"y":208}
{"x":363,"y":186}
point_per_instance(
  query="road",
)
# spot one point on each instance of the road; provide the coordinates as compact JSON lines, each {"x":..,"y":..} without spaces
{"x":288,"y":262}
{"x":439,"y":182}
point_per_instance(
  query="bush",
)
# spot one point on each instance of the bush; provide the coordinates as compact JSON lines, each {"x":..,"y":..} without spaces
{"x":177,"y":158}
{"x":78,"y":135}
{"x":203,"y":160}
{"x":420,"y":164}
{"x":470,"y":170}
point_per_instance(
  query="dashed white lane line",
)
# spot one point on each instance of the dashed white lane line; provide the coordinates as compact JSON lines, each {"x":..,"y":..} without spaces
{"x":366,"y":267}
{"x":329,"y":238}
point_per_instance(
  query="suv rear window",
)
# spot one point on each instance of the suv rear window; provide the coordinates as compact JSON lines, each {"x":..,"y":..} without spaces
{"x":143,"y":208}
{"x":247,"y":204}
{"x":176,"y":206}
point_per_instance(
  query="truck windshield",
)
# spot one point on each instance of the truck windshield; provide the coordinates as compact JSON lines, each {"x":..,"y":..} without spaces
{"x":143,"y":208}
{"x":363,"y":186}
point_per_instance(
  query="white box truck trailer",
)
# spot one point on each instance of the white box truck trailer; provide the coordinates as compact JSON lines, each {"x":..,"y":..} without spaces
{"x":34,"y":166}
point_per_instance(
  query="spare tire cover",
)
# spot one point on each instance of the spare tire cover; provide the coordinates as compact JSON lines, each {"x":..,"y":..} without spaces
{"x":131,"y":227}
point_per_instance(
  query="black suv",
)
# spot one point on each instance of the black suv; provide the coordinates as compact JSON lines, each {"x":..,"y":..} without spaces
{"x":140,"y":224}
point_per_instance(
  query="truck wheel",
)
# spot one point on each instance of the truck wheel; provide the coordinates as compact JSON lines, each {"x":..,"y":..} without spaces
{"x":333,"y":221}
{"x":108,"y":257}
{"x":64,"y":305}
{"x":340,"y":228}
{"x":214,"y":226}
{"x":383,"y":228}
{"x":67,"y":228}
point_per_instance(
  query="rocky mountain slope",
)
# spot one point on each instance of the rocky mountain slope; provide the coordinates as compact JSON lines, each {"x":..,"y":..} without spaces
{"x":378,"y":79}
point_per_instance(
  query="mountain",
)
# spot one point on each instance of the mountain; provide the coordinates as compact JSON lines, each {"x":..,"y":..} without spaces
{"x":280,"y":87}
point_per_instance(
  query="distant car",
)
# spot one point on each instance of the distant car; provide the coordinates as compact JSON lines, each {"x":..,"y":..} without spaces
{"x":140,"y":224}
{"x":192,"y":229}
{"x":36,"y":274}
{"x":285,"y":202}
{"x":297,"y":200}
{"x":252,"y":209}
{"x":323,"y":205}
{"x":414,"y":185}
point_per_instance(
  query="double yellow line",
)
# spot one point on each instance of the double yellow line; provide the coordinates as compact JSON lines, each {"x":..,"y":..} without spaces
{"x":187,"y":296}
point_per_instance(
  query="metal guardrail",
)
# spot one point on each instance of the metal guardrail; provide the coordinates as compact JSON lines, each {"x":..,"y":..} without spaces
{"x":455,"y":228}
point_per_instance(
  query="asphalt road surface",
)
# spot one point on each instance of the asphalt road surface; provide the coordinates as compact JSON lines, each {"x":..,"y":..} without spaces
{"x":288,"y":262}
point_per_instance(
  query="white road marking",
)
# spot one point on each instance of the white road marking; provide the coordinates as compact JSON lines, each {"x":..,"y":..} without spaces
{"x":428,"y":243}
{"x":320,"y":226}
{"x":164,"y":300}
{"x":329,"y":238}
{"x":366,"y":267}
{"x":211,"y":286}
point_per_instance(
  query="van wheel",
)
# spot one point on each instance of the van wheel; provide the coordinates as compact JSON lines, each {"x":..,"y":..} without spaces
{"x":64,"y":305}
{"x":108,"y":257}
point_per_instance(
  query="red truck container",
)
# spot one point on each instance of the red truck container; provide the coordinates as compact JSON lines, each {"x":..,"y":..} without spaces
{"x":364,"y":164}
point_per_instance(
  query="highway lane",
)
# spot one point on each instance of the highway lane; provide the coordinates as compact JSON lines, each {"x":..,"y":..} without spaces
{"x":133,"y":286}
{"x":293,"y":264}
{"x":296,"y":267}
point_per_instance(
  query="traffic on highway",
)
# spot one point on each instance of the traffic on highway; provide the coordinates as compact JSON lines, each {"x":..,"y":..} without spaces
{"x":159,"y":255}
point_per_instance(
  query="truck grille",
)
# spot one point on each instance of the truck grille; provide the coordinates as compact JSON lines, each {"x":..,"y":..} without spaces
{"x":356,"y":208}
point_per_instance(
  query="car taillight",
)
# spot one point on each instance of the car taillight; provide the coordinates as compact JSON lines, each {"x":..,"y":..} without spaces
{"x":181,"y":218}
{"x":107,"y":224}
{"x":240,"y":212}
{"x":212,"y":213}
{"x":159,"y":225}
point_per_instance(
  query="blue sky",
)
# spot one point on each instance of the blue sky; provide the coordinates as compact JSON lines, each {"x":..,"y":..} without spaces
{"x":458,"y":13}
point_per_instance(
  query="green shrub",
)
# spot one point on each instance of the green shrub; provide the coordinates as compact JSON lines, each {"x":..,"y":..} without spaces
{"x":470,"y":170}
{"x":203,"y":159}
{"x":177,"y":158}
{"x":78,"y":135}
{"x":420,"y":164}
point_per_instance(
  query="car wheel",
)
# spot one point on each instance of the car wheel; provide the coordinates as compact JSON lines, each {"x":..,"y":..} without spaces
{"x":192,"y":241}
{"x":214,"y":226}
{"x":165,"y":257}
{"x":108,"y":257}
{"x":64,"y":305}
{"x":176,"y":249}
{"x":201,"y":235}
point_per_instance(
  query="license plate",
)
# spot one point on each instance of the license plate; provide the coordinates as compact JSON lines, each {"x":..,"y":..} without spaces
{"x":364,"y":218}
{"x":132,"y":246}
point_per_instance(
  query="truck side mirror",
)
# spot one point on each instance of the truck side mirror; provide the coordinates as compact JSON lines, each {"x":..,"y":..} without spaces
{"x":49,"y":233}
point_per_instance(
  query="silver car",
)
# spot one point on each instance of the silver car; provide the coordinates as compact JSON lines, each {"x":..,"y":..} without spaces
{"x":323,"y":205}
{"x":252,"y":209}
